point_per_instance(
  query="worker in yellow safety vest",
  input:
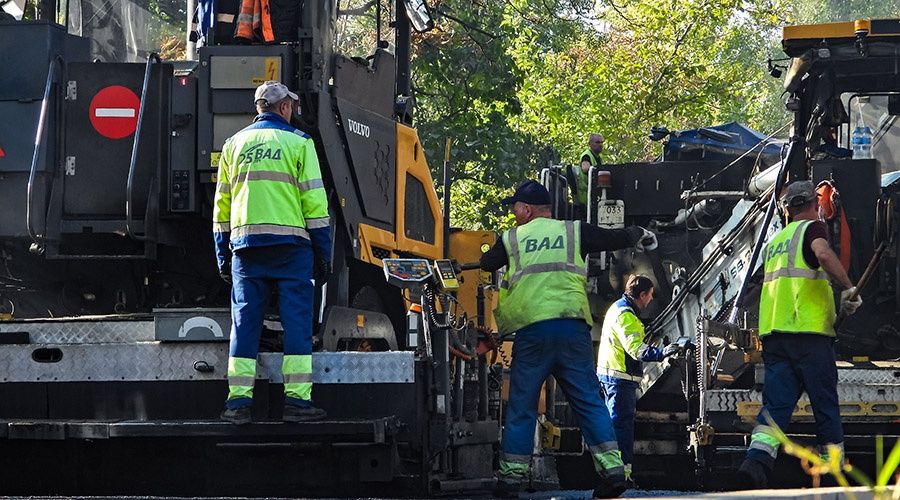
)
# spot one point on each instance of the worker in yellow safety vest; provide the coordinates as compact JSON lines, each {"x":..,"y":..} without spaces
{"x":543,"y":300}
{"x":619,"y":363}
{"x":796,"y":326}
{"x":589,"y":158}
{"x":271,"y":226}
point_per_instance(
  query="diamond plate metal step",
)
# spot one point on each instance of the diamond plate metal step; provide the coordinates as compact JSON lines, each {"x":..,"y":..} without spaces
{"x":186,"y":361}
{"x":96,"y":330}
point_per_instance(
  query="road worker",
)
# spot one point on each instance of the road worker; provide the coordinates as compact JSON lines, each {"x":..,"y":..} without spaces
{"x":589,"y":158}
{"x":544,"y":301}
{"x":796,"y":326}
{"x":622,"y":349}
{"x":271,"y":226}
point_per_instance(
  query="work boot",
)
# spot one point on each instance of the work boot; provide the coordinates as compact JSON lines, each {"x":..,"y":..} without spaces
{"x":294,"y":413}
{"x":611,"y":486}
{"x":509,"y":486}
{"x":754,"y":474}
{"x":237,"y":416}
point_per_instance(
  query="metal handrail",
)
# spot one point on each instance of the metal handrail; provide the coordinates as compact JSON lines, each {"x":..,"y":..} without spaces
{"x":55,"y":64}
{"x":550,"y":178}
{"x":129,"y":194}
{"x":591,"y":206}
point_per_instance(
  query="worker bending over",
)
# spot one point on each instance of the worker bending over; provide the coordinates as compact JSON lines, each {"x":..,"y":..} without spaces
{"x":270,"y":225}
{"x":796,"y":326}
{"x":543,"y":299}
{"x":622,"y":349}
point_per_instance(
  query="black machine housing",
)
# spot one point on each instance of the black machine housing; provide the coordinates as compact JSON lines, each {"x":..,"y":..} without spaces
{"x":120,"y":224}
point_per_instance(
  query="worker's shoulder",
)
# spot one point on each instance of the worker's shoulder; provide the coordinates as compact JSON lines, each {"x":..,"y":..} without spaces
{"x":294,"y":133}
{"x":625,"y":313}
{"x":281,"y":129}
{"x":814,"y":230}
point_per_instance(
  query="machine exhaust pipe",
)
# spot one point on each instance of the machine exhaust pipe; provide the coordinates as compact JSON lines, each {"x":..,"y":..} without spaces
{"x":763,"y":180}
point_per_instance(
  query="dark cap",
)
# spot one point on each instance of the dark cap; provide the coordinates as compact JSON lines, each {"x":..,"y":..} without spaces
{"x":799,"y":193}
{"x":530,"y":192}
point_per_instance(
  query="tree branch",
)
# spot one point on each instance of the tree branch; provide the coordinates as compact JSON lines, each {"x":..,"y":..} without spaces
{"x":669,"y":60}
{"x":358,"y":11}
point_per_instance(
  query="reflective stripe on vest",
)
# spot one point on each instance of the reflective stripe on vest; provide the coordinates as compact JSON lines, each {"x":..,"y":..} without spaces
{"x":547,"y":267}
{"x":617,"y":374}
{"x":795,"y":298}
{"x":249,"y":229}
{"x":269,"y":175}
{"x":545,"y":278}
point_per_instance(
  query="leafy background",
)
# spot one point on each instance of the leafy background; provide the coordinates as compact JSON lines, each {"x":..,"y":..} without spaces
{"x":518,"y":84}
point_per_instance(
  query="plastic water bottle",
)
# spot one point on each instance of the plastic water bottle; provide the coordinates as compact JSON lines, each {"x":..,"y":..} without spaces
{"x":861,"y":141}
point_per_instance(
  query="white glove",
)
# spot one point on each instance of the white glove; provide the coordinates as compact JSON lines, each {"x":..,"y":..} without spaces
{"x":647,"y":242}
{"x":849,"y":307}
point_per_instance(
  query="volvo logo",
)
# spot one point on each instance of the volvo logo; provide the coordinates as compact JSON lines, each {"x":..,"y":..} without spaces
{"x":358,"y":128}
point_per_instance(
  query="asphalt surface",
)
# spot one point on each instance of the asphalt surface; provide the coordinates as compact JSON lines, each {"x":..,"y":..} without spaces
{"x":540,"y":495}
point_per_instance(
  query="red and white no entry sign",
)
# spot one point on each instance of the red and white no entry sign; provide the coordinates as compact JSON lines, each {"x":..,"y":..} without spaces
{"x":114,"y":111}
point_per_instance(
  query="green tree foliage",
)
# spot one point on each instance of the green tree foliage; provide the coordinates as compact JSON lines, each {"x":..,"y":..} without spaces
{"x":679,"y":64}
{"x":467,"y":88}
{"x":519,"y":84}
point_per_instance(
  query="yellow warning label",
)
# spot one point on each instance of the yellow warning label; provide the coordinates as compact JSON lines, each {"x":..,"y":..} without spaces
{"x":273,"y":71}
{"x":214,"y":159}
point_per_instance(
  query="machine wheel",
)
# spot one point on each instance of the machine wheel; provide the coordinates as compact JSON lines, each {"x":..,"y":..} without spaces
{"x":367,"y":298}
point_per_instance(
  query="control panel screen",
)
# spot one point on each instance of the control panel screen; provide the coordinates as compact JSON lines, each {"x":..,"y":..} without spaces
{"x":406,"y":272}
{"x":446,"y":274}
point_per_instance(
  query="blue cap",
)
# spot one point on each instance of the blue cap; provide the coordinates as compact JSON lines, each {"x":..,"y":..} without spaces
{"x":530,"y":192}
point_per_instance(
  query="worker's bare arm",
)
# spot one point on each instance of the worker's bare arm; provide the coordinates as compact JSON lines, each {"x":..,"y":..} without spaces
{"x":830,"y":262}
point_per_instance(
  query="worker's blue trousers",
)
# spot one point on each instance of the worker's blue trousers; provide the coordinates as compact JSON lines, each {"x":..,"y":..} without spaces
{"x":621,"y":401}
{"x":562,"y":348}
{"x":254,"y":270}
{"x":794,"y":363}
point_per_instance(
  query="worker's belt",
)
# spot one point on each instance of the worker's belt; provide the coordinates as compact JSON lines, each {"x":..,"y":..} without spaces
{"x":617,"y":374}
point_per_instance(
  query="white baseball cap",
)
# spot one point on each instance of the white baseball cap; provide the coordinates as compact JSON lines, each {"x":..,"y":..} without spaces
{"x":273,"y":92}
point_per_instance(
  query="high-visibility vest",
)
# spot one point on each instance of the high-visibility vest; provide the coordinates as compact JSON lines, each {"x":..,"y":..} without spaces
{"x":545,"y":278}
{"x":795,"y":297}
{"x":255,"y":15}
{"x":269,"y":184}
{"x":622,"y":342}
{"x":581,"y":186}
